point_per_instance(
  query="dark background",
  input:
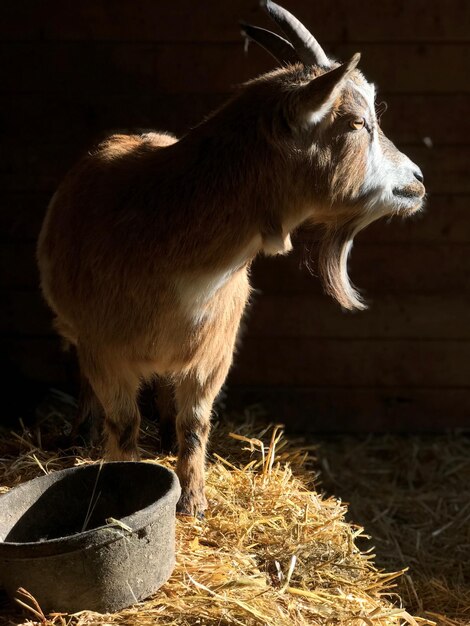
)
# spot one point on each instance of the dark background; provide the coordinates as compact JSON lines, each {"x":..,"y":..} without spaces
{"x":71,"y":72}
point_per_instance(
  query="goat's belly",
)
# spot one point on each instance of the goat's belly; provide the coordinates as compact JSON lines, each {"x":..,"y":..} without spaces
{"x":168,"y":329}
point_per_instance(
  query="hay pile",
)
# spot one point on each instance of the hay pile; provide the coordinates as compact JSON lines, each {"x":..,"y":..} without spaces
{"x":269,"y":552}
{"x":412,"y":493}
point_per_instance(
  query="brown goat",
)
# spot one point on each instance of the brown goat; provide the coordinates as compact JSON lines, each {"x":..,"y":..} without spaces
{"x":146,"y":246}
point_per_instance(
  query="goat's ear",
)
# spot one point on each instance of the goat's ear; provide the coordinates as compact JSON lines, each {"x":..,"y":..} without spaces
{"x":315,"y":100}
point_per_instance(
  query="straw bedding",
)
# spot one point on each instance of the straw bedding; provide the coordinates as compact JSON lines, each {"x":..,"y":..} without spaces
{"x":271,"y":550}
{"x":412,"y":493}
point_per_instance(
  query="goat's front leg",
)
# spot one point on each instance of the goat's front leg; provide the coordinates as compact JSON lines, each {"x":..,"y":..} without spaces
{"x":194,"y":400}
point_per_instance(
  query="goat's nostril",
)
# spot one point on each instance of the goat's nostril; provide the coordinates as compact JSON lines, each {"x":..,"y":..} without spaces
{"x":418,"y":174}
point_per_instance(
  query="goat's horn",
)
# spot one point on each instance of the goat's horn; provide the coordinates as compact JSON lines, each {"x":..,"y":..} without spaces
{"x":276,"y":45}
{"x":307,"y":47}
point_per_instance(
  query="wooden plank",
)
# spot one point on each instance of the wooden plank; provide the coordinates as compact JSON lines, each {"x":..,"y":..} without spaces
{"x":302,"y":409}
{"x":443,"y":220}
{"x":308,"y":409}
{"x":182,"y":20}
{"x":61,"y":119}
{"x":376,"y":269}
{"x":102,"y":20}
{"x":411,"y":68}
{"x":407,"y":316}
{"x":81,"y":119}
{"x":340,"y":410}
{"x":337,"y":362}
{"x":413,"y":118}
{"x":403,"y":316}
{"x":213,"y":68}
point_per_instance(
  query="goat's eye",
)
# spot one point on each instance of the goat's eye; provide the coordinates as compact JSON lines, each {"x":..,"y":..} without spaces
{"x":358,"y":123}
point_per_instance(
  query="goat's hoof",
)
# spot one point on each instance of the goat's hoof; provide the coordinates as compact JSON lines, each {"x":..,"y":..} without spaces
{"x":192,"y":506}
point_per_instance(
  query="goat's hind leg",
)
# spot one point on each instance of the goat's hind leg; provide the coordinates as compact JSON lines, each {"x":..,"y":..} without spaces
{"x":116,"y":389}
{"x":88,"y":423}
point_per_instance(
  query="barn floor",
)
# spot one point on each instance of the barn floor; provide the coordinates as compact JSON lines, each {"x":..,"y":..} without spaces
{"x":270,"y":551}
{"x":412,"y":495}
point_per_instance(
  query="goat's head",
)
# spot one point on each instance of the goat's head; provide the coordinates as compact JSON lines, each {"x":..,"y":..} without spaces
{"x":345,"y":166}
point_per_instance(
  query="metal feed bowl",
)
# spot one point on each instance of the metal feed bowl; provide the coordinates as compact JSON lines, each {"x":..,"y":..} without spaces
{"x":122,"y":553}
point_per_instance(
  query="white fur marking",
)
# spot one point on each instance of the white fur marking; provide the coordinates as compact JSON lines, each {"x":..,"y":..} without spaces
{"x":382,"y":174}
{"x":196,"y":291}
{"x":378,"y":177}
{"x":277,"y":245}
{"x":367,"y":91}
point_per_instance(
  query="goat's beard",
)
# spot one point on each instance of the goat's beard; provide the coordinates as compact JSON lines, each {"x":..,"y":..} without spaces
{"x":333,"y":253}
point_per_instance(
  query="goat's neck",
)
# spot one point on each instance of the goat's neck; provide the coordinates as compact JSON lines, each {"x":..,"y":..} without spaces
{"x":243,"y":183}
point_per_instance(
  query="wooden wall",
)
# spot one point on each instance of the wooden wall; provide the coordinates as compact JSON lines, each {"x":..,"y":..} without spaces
{"x":73,"y":71}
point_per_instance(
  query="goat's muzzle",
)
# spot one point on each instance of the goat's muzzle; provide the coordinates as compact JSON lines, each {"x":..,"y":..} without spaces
{"x":410,"y":197}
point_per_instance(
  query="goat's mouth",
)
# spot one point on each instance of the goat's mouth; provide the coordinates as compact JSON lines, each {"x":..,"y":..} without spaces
{"x":406,"y":192}
{"x":409,"y":199}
